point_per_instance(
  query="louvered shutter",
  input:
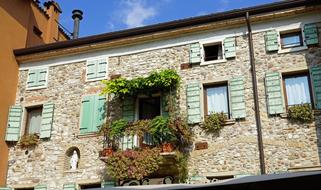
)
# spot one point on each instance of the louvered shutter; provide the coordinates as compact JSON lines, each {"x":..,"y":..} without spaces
{"x":14,"y":123}
{"x":229,"y":47}
{"x":236,"y":89}
{"x":193,"y":103}
{"x":271,"y":40}
{"x":128,"y":109}
{"x":108,"y":184}
{"x":165,"y":104}
{"x":40,"y":187}
{"x":5,"y":188}
{"x":47,"y":120}
{"x":91,"y":69}
{"x":316,"y":81}
{"x":32,"y":78}
{"x":100,"y":112}
{"x":274,"y":93}
{"x":42,"y":77}
{"x":69,"y":187}
{"x":311,"y":34}
{"x":101,"y":68}
{"x":195,"y":53}
{"x":87,"y":110}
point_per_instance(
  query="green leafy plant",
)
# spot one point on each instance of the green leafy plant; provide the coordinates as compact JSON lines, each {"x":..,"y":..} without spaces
{"x":133,"y":164}
{"x":138,"y":127}
{"x":29,"y":140}
{"x":160,"y":130}
{"x":214,"y":122}
{"x":121,"y":87}
{"x":118,"y":127}
{"x":300,"y":113}
{"x":181,"y":130}
{"x":182,"y":166}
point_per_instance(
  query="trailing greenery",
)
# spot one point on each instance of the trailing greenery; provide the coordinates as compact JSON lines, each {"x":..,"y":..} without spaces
{"x":29,"y":140}
{"x":214,"y":122}
{"x":134,"y":164}
{"x":182,"y":166}
{"x":138,"y":127}
{"x":118,"y":127}
{"x":120,"y":87}
{"x":300,"y":113}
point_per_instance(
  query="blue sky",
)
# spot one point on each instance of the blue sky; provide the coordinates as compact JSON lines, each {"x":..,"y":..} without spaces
{"x":101,"y":16}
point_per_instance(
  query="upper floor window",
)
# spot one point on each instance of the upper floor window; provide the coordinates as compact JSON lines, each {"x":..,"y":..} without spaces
{"x":96,"y":69}
{"x":216,"y":99}
{"x":213,"y":51}
{"x":149,"y":107}
{"x":291,"y":39}
{"x":34,"y":116}
{"x":37,"y":78}
{"x":298,"y":90}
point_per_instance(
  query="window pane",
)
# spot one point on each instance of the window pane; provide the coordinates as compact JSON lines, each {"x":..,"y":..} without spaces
{"x":291,"y":40}
{"x":213,"y":52}
{"x":217,"y":99}
{"x":149,"y":108}
{"x":297,"y":90}
{"x":34,"y":121}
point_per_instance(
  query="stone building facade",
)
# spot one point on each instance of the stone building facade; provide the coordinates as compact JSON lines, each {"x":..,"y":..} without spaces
{"x":232,"y":153}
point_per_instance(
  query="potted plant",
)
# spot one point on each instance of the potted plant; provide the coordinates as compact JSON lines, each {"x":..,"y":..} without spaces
{"x":162,"y":134}
{"x":214,"y":122}
{"x":29,"y":140}
{"x":300,"y":113}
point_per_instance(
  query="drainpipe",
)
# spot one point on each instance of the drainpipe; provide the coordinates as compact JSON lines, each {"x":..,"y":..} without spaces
{"x":256,"y":97}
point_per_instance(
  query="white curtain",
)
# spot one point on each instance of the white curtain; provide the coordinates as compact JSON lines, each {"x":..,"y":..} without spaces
{"x":297,"y":90}
{"x":217,"y":99}
{"x":34,"y":118}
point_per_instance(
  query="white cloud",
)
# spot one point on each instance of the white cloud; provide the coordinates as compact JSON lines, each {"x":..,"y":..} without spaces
{"x":136,"y":12}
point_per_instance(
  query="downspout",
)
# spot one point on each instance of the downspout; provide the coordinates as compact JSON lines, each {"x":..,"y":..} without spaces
{"x":256,"y":97}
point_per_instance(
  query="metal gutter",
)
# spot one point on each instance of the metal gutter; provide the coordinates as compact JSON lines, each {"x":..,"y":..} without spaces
{"x":256,"y":96}
{"x":194,"y":21}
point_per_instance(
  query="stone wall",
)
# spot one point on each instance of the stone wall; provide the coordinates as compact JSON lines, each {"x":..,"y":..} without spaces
{"x":233,"y":151}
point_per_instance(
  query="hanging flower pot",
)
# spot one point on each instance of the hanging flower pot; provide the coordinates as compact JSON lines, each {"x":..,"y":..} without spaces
{"x":167,"y":147}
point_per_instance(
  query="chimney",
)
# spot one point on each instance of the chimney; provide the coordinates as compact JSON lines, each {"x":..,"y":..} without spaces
{"x":53,"y":10}
{"x":77,"y":16}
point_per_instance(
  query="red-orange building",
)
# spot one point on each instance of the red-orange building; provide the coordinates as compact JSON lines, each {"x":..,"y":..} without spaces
{"x":24,"y":23}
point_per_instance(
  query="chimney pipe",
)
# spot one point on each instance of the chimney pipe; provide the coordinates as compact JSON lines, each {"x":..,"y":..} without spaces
{"x":77,"y":16}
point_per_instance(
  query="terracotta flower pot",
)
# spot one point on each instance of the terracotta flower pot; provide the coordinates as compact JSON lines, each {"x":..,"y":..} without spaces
{"x":108,"y":151}
{"x":167,"y":147}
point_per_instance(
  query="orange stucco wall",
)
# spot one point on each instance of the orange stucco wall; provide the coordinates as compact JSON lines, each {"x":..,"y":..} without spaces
{"x":18,"y":18}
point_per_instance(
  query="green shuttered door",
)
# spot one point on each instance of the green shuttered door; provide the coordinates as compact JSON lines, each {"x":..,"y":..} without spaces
{"x":165,"y":104}
{"x":271,"y":40}
{"x":236,"y":88}
{"x":274,"y":93}
{"x":100,"y":112}
{"x":129,"y":109}
{"x":316,"y":81}
{"x":14,"y":123}
{"x":193,"y":103}
{"x":229,"y":47}
{"x":47,"y":120}
{"x":311,"y":34}
{"x":195,"y":53}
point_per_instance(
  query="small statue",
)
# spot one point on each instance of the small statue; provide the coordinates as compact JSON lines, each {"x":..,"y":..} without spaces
{"x":74,"y":161}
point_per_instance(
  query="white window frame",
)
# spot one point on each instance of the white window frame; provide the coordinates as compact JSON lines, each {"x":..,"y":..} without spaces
{"x":212,"y":42}
{"x":38,"y":87}
{"x":294,"y":49}
{"x":94,"y":59}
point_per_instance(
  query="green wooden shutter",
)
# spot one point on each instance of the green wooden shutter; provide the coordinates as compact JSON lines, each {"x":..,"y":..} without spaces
{"x":229,"y":47}
{"x":274,"y":93}
{"x":108,"y":184}
{"x":271,"y":40}
{"x":91,"y":69}
{"x":316,"y":81}
{"x":40,"y":187}
{"x":14,"y":123}
{"x":5,"y":188}
{"x":311,"y":34}
{"x":87,"y":110}
{"x":165,"y":104}
{"x":42,"y":77}
{"x":195,"y":53}
{"x":100,"y":112}
{"x":101,"y":68}
{"x":32,"y":78}
{"x":129,"y":109}
{"x":193,"y":103}
{"x":47,"y":120}
{"x":236,"y":89}
{"x":70,"y":186}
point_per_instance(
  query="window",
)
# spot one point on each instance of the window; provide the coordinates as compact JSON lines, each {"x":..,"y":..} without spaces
{"x":149,"y":107}
{"x":34,"y":117}
{"x":216,"y":99}
{"x":90,"y":186}
{"x":96,"y":69}
{"x":213,"y":52}
{"x":297,"y":88}
{"x":37,"y":78}
{"x":291,"y":39}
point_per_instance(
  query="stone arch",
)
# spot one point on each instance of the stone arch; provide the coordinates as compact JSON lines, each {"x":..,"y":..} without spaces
{"x":68,"y":154}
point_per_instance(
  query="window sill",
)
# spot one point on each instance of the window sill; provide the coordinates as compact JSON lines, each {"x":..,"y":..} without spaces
{"x":229,"y":122}
{"x":73,"y":171}
{"x":96,"y":79}
{"x":295,"y":49}
{"x":213,"y":62}
{"x":88,"y":135}
{"x":36,"y":88}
